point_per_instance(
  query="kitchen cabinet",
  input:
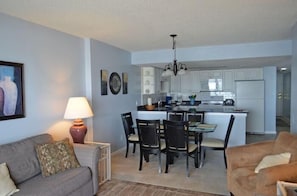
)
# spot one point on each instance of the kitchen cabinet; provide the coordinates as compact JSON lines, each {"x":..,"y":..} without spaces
{"x":248,"y":74}
{"x":228,"y":80}
{"x":148,"y":80}
{"x":175,"y":83}
{"x":210,"y":80}
{"x":186,"y":82}
{"x":195,"y":81}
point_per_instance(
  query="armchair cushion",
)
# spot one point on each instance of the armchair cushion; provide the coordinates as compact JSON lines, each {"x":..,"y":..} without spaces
{"x":272,"y":160}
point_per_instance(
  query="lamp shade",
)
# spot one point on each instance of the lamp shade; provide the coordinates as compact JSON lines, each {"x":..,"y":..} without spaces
{"x":78,"y":108}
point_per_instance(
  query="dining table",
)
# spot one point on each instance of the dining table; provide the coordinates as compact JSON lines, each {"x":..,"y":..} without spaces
{"x":198,"y":129}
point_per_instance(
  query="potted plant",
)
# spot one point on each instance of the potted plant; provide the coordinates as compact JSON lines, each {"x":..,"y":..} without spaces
{"x":192,"y":99}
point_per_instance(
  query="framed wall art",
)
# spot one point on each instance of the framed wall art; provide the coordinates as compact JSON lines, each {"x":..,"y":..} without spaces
{"x":11,"y":90}
{"x":115,"y":83}
{"x":125,"y":83}
{"x":104,"y":79}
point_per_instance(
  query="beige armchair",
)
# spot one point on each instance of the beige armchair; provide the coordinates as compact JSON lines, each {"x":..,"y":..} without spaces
{"x":242,"y":161}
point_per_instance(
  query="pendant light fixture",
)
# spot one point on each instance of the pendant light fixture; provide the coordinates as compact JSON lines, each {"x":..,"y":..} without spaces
{"x":174,"y":68}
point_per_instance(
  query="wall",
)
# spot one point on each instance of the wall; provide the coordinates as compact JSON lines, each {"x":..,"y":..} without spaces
{"x":107,"y":121}
{"x":294,"y":82}
{"x":53,"y":67}
{"x":270,"y":78}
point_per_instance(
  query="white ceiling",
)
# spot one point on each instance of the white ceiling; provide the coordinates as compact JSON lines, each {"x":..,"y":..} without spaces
{"x":138,"y":25}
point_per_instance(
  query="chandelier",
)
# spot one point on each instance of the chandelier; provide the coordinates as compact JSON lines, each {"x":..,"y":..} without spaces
{"x":174,"y":68}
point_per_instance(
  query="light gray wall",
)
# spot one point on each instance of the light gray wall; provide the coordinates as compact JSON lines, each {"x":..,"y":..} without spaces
{"x":53,"y":67}
{"x":294,"y":82}
{"x":270,"y":99}
{"x":107,"y":122}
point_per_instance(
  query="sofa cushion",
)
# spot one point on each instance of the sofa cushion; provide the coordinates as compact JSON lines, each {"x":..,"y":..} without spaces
{"x":56,"y":157}
{"x":273,"y":160}
{"x":7,"y":186}
{"x":286,"y":142}
{"x":20,"y":157}
{"x":61,"y":184}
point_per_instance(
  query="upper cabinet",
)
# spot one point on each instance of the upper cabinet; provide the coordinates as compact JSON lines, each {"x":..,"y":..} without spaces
{"x":211,"y":80}
{"x":148,"y":80}
{"x":248,"y":74}
{"x":228,"y":80}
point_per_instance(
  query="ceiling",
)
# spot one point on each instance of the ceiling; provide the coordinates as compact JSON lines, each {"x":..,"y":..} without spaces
{"x":140,"y":25}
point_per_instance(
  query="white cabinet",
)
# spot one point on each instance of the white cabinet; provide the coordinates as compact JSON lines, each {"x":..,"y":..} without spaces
{"x":148,"y":80}
{"x":175,"y":83}
{"x":211,"y":80}
{"x":186,"y":82}
{"x":248,"y":74}
{"x":195,"y":81}
{"x":228,"y":80}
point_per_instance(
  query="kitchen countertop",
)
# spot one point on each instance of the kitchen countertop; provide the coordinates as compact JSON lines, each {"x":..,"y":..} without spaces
{"x":198,"y":108}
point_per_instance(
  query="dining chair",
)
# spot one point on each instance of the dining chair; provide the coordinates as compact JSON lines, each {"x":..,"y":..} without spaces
{"x":131,"y":137}
{"x":216,"y":144}
{"x":149,"y":140}
{"x":195,"y":117}
{"x":177,"y":141}
{"x":175,"y":116}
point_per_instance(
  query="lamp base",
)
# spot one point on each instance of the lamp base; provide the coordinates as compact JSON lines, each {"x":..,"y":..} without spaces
{"x":78,"y":132}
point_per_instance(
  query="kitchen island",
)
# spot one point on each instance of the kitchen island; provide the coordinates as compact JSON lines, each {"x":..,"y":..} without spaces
{"x":218,"y":115}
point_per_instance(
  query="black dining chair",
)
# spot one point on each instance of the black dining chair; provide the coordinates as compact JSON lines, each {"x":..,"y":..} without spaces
{"x":175,"y":116}
{"x":216,"y":144}
{"x":195,"y":117}
{"x":149,"y":140}
{"x":131,"y":137}
{"x":177,"y":141}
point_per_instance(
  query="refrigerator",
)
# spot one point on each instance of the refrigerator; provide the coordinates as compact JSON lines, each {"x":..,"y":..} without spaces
{"x":250,"y":97}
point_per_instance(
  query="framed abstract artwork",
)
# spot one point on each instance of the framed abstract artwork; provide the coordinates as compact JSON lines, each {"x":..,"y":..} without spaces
{"x":125,"y":83}
{"x":115,"y":83}
{"x":11,"y":90}
{"x":104,"y":79}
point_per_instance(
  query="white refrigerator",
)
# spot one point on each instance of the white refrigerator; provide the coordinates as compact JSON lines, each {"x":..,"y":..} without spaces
{"x":250,"y":97}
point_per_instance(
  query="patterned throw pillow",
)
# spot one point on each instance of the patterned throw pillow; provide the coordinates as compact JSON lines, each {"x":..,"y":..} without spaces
{"x":56,"y":157}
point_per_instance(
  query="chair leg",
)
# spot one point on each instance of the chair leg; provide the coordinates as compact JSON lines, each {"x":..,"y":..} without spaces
{"x":188,"y":173}
{"x":225,"y":159}
{"x":140,"y":160}
{"x":127,"y":149}
{"x":196,"y":158}
{"x":134,"y":146}
{"x":167,"y":162}
{"x":202,"y":156}
{"x":160,"y":163}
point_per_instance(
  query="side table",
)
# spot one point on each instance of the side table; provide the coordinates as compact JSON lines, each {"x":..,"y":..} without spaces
{"x":286,"y":188}
{"x":104,"y":162}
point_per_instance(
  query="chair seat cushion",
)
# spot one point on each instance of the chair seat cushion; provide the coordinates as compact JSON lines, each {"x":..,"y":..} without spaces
{"x":212,"y":142}
{"x":133,"y":138}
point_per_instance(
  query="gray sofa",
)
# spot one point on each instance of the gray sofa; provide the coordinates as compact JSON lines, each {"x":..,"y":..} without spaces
{"x":25,"y":171}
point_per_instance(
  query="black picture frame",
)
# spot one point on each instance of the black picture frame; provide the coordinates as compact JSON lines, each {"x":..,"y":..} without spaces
{"x":11,"y":90}
{"x":104,"y":79}
{"x":125,"y":82}
{"x":115,"y":83}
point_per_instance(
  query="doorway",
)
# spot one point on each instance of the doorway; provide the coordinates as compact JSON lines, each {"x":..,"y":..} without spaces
{"x":283,"y":101}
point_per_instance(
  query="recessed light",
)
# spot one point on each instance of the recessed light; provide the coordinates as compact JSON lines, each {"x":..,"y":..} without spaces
{"x":283,"y":69}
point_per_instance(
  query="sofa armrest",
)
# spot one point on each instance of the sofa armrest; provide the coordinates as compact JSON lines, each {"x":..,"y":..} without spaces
{"x":88,"y":155}
{"x":268,"y":177}
{"x":247,"y":155}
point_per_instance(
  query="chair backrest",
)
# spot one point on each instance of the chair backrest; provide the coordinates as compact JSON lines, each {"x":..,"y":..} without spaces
{"x":176,"y":134}
{"x":148,"y":133}
{"x":128,"y":123}
{"x":230,"y":125}
{"x":175,"y":116}
{"x":195,"y":117}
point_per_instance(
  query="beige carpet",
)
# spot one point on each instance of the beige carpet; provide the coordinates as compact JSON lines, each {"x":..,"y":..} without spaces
{"x":124,"y":188}
{"x":211,"y":178}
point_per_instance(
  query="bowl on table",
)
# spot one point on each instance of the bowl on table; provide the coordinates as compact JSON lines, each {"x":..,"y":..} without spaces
{"x":150,"y":107}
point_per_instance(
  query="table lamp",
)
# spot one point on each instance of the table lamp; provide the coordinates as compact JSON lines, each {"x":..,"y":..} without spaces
{"x":77,"y":109}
